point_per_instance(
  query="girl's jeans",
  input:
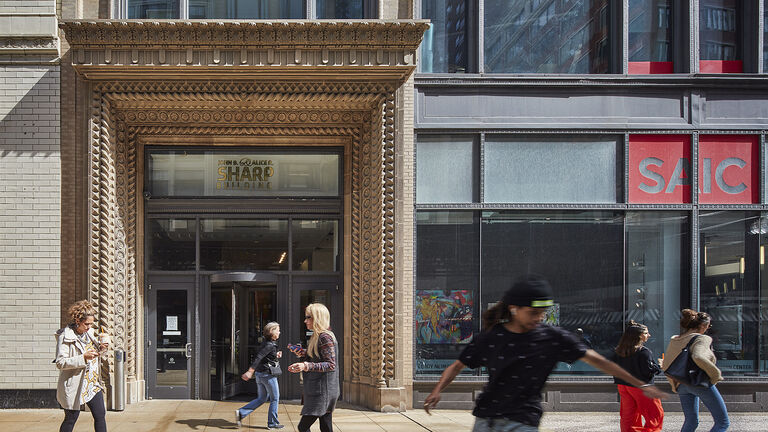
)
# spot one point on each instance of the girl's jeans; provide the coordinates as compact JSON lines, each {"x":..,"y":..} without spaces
{"x":689,"y":399}
{"x":268,"y":391}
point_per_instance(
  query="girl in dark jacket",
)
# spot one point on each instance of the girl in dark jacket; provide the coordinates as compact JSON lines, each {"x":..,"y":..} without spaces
{"x":638,"y":360}
{"x":321,"y":372}
{"x":268,"y":388}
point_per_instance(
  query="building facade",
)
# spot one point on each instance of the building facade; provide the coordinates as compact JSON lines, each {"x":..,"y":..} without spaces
{"x":199,"y":168}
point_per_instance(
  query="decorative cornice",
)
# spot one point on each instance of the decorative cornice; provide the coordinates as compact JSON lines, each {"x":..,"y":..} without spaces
{"x":289,"y":34}
{"x":266,"y":50}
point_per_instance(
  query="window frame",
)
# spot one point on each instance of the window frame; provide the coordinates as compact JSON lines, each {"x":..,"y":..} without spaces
{"x":119,"y":9}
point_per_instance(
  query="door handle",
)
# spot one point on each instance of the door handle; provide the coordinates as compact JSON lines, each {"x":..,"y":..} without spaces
{"x":188,"y":349}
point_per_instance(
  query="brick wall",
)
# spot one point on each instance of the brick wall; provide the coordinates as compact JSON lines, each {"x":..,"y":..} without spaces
{"x":30,"y":183}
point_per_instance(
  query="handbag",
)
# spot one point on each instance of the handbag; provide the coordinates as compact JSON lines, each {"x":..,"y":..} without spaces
{"x":274,"y":368}
{"x":685,"y":370}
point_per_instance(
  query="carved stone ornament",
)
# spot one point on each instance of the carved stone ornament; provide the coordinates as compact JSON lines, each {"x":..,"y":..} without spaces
{"x":360,"y":48}
{"x":130,"y":105}
{"x":31,"y":45}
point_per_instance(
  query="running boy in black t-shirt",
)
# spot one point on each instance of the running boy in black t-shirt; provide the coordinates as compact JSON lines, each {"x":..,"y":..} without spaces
{"x":520,"y":353}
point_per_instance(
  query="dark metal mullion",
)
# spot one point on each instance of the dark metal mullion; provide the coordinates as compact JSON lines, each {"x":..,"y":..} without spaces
{"x":196,"y":369}
{"x":695,"y":246}
{"x":760,"y":33}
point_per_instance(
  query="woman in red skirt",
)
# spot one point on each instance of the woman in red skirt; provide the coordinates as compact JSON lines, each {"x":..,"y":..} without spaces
{"x":638,"y":361}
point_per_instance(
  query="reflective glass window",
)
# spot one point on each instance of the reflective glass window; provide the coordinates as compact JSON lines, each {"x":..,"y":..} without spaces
{"x":247,"y":9}
{"x":315,"y":245}
{"x":765,"y":37}
{"x":729,"y":285}
{"x":447,"y":287}
{"x":561,"y":246}
{"x":171,"y":244}
{"x":720,"y":32}
{"x":658,"y":273}
{"x":243,"y":244}
{"x":178,"y":173}
{"x":153,"y":9}
{"x":650,"y":36}
{"x":340,"y":9}
{"x":445,"y":47}
{"x":547,"y":36}
{"x":445,"y":169}
{"x":551,"y":170}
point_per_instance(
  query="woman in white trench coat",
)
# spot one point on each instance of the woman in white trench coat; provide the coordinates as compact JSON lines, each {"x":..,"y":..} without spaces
{"x":77,"y":358}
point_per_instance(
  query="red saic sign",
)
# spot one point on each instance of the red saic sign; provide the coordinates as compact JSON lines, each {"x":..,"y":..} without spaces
{"x":728,"y":169}
{"x":660,"y":169}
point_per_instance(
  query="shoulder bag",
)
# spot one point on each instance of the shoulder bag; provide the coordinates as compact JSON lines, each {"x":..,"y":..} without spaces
{"x":274,"y":368}
{"x":685,"y":370}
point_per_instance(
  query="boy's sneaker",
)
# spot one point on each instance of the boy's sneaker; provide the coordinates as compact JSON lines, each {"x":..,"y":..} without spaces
{"x":238,"y":418}
{"x":275,"y":426}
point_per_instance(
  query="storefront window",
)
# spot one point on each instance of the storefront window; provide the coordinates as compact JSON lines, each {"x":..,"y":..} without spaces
{"x":243,"y":244}
{"x":315,"y":245}
{"x":171,"y":244}
{"x":561,"y":246}
{"x":720,"y":30}
{"x":193,"y":173}
{"x":153,"y":9}
{"x":447,"y":287}
{"x":246,"y":9}
{"x":547,"y":37}
{"x":552,"y":170}
{"x":763,"y":341}
{"x":729,"y":285}
{"x":658,"y":272}
{"x":650,"y":36}
{"x":445,"y":169}
{"x":445,"y":46}
{"x":339,"y":9}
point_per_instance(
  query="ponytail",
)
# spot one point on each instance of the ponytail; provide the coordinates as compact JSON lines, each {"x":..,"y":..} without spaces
{"x":499,"y":313}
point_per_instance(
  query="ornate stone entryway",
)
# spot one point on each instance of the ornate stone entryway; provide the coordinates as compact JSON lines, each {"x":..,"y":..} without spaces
{"x":220,"y":82}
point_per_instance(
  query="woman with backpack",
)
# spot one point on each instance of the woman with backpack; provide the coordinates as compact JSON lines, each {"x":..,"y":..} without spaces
{"x":638,"y":360}
{"x":693,"y":325}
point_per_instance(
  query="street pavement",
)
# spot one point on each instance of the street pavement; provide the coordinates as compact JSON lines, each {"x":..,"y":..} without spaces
{"x":199,"y":415}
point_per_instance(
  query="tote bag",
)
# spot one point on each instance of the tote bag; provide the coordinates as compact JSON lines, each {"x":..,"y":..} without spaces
{"x":685,"y":370}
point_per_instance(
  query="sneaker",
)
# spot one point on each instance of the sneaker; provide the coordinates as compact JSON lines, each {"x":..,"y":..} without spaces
{"x":275,"y":426}
{"x":238,"y":418}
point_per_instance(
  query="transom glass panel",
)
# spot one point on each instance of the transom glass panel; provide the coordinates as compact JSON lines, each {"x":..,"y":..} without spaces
{"x":185,"y":173}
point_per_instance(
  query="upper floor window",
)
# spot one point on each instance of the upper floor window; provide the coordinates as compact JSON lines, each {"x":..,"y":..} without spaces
{"x":446,"y":46}
{"x":546,"y":36}
{"x":249,"y":9}
{"x":650,"y":36}
{"x":720,"y":36}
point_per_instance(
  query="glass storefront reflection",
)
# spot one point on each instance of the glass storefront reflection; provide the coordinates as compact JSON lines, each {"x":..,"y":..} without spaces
{"x":171,"y":244}
{"x":606,"y":267}
{"x":315,"y":245}
{"x":729,"y":285}
{"x":243,"y":244}
{"x":447,"y":287}
{"x":560,"y":246}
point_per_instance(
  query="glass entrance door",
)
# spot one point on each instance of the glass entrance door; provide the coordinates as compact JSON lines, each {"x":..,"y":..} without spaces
{"x":170,"y":329}
{"x":239,"y":311}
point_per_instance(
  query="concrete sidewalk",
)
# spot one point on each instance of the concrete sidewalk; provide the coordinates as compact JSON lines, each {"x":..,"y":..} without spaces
{"x":188,"y":416}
